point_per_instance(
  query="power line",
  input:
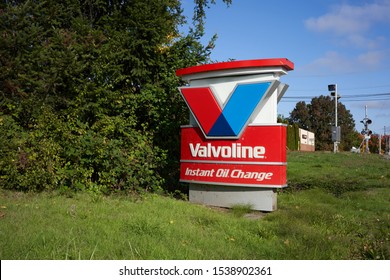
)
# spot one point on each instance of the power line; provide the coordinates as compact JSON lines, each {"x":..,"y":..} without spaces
{"x":343,"y":89}
{"x":345,"y":101}
{"x":346,"y":98}
{"x":374,"y":99}
{"x":358,"y":88}
{"x":364,"y":95}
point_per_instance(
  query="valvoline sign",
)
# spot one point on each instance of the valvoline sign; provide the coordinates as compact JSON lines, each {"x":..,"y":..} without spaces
{"x":227,"y":142}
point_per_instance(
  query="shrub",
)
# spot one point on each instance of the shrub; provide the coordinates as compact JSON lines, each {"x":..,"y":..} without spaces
{"x":55,"y":153}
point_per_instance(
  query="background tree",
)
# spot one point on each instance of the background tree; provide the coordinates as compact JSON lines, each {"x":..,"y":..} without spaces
{"x":301,"y":115}
{"x":88,"y":92}
{"x":318,"y":117}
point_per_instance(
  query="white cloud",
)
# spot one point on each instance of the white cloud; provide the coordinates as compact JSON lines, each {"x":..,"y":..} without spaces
{"x":348,"y":19}
{"x":333,"y":61}
{"x":355,"y":26}
{"x":371,"y":59}
{"x":361,"y":42}
{"x":337,"y":23}
{"x":336,"y":62}
{"x":355,"y":29}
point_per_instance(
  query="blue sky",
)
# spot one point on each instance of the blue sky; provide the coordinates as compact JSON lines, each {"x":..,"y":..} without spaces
{"x":330,"y":42}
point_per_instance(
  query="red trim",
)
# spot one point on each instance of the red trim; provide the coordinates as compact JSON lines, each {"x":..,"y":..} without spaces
{"x":255,"y":63}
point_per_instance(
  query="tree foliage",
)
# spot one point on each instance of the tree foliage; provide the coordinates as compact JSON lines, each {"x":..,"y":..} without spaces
{"x":88,"y":92}
{"x":319,"y":117}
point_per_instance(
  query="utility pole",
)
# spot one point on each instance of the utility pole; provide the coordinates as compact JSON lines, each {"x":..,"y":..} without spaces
{"x":366,"y":132}
{"x":336,"y":131}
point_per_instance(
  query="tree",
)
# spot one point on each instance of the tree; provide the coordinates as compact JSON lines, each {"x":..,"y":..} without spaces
{"x":88,"y":95}
{"x":319,"y":117}
{"x":301,"y":115}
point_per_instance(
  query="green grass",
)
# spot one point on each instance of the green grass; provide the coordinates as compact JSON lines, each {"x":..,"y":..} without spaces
{"x":337,"y":207}
{"x":337,"y":172}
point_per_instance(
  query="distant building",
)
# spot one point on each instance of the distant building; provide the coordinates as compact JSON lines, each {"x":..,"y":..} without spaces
{"x":306,"y":141}
{"x":299,"y":139}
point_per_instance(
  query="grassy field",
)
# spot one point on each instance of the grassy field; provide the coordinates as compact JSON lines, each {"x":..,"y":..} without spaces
{"x":336,"y":207}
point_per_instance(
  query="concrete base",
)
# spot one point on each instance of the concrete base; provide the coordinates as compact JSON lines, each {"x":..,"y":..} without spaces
{"x":262,"y":199}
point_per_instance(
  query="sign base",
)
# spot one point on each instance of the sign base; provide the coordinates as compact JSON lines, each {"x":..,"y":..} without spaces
{"x":261,"y":199}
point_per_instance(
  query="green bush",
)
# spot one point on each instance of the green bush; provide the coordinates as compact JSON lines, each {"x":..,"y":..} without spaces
{"x":293,"y":137}
{"x":55,"y":153}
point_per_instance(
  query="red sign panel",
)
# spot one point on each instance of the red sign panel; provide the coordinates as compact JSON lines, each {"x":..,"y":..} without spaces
{"x":258,"y":158}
